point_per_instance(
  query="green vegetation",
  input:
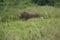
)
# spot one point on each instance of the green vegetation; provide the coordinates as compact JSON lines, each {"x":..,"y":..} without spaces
{"x":33,"y":29}
{"x":12,"y":13}
{"x":13,"y":28}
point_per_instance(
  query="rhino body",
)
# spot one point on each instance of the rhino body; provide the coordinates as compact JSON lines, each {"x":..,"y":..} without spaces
{"x":28,"y":15}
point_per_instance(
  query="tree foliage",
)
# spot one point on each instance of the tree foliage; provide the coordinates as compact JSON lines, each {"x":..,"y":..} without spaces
{"x":44,"y":2}
{"x":1,"y":0}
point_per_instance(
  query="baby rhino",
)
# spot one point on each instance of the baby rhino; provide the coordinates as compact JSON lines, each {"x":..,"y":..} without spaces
{"x":28,"y":15}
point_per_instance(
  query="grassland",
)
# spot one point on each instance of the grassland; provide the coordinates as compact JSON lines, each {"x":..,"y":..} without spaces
{"x":33,"y":29}
{"x":12,"y":28}
{"x":12,"y":13}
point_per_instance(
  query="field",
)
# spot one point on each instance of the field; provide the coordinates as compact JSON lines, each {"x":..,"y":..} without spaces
{"x":13,"y":28}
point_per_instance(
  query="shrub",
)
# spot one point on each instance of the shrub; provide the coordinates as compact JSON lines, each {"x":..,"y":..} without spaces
{"x":44,"y":2}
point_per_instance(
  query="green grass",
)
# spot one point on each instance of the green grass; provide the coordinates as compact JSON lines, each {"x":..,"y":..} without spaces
{"x":12,"y":13}
{"x":33,"y":29}
{"x":13,"y":28}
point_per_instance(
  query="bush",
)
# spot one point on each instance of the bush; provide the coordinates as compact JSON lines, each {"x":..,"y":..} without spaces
{"x":1,"y":0}
{"x":44,"y":2}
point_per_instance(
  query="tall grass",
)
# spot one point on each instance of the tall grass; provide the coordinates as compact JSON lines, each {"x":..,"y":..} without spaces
{"x":33,"y":29}
{"x":12,"y":13}
{"x":13,"y":28}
